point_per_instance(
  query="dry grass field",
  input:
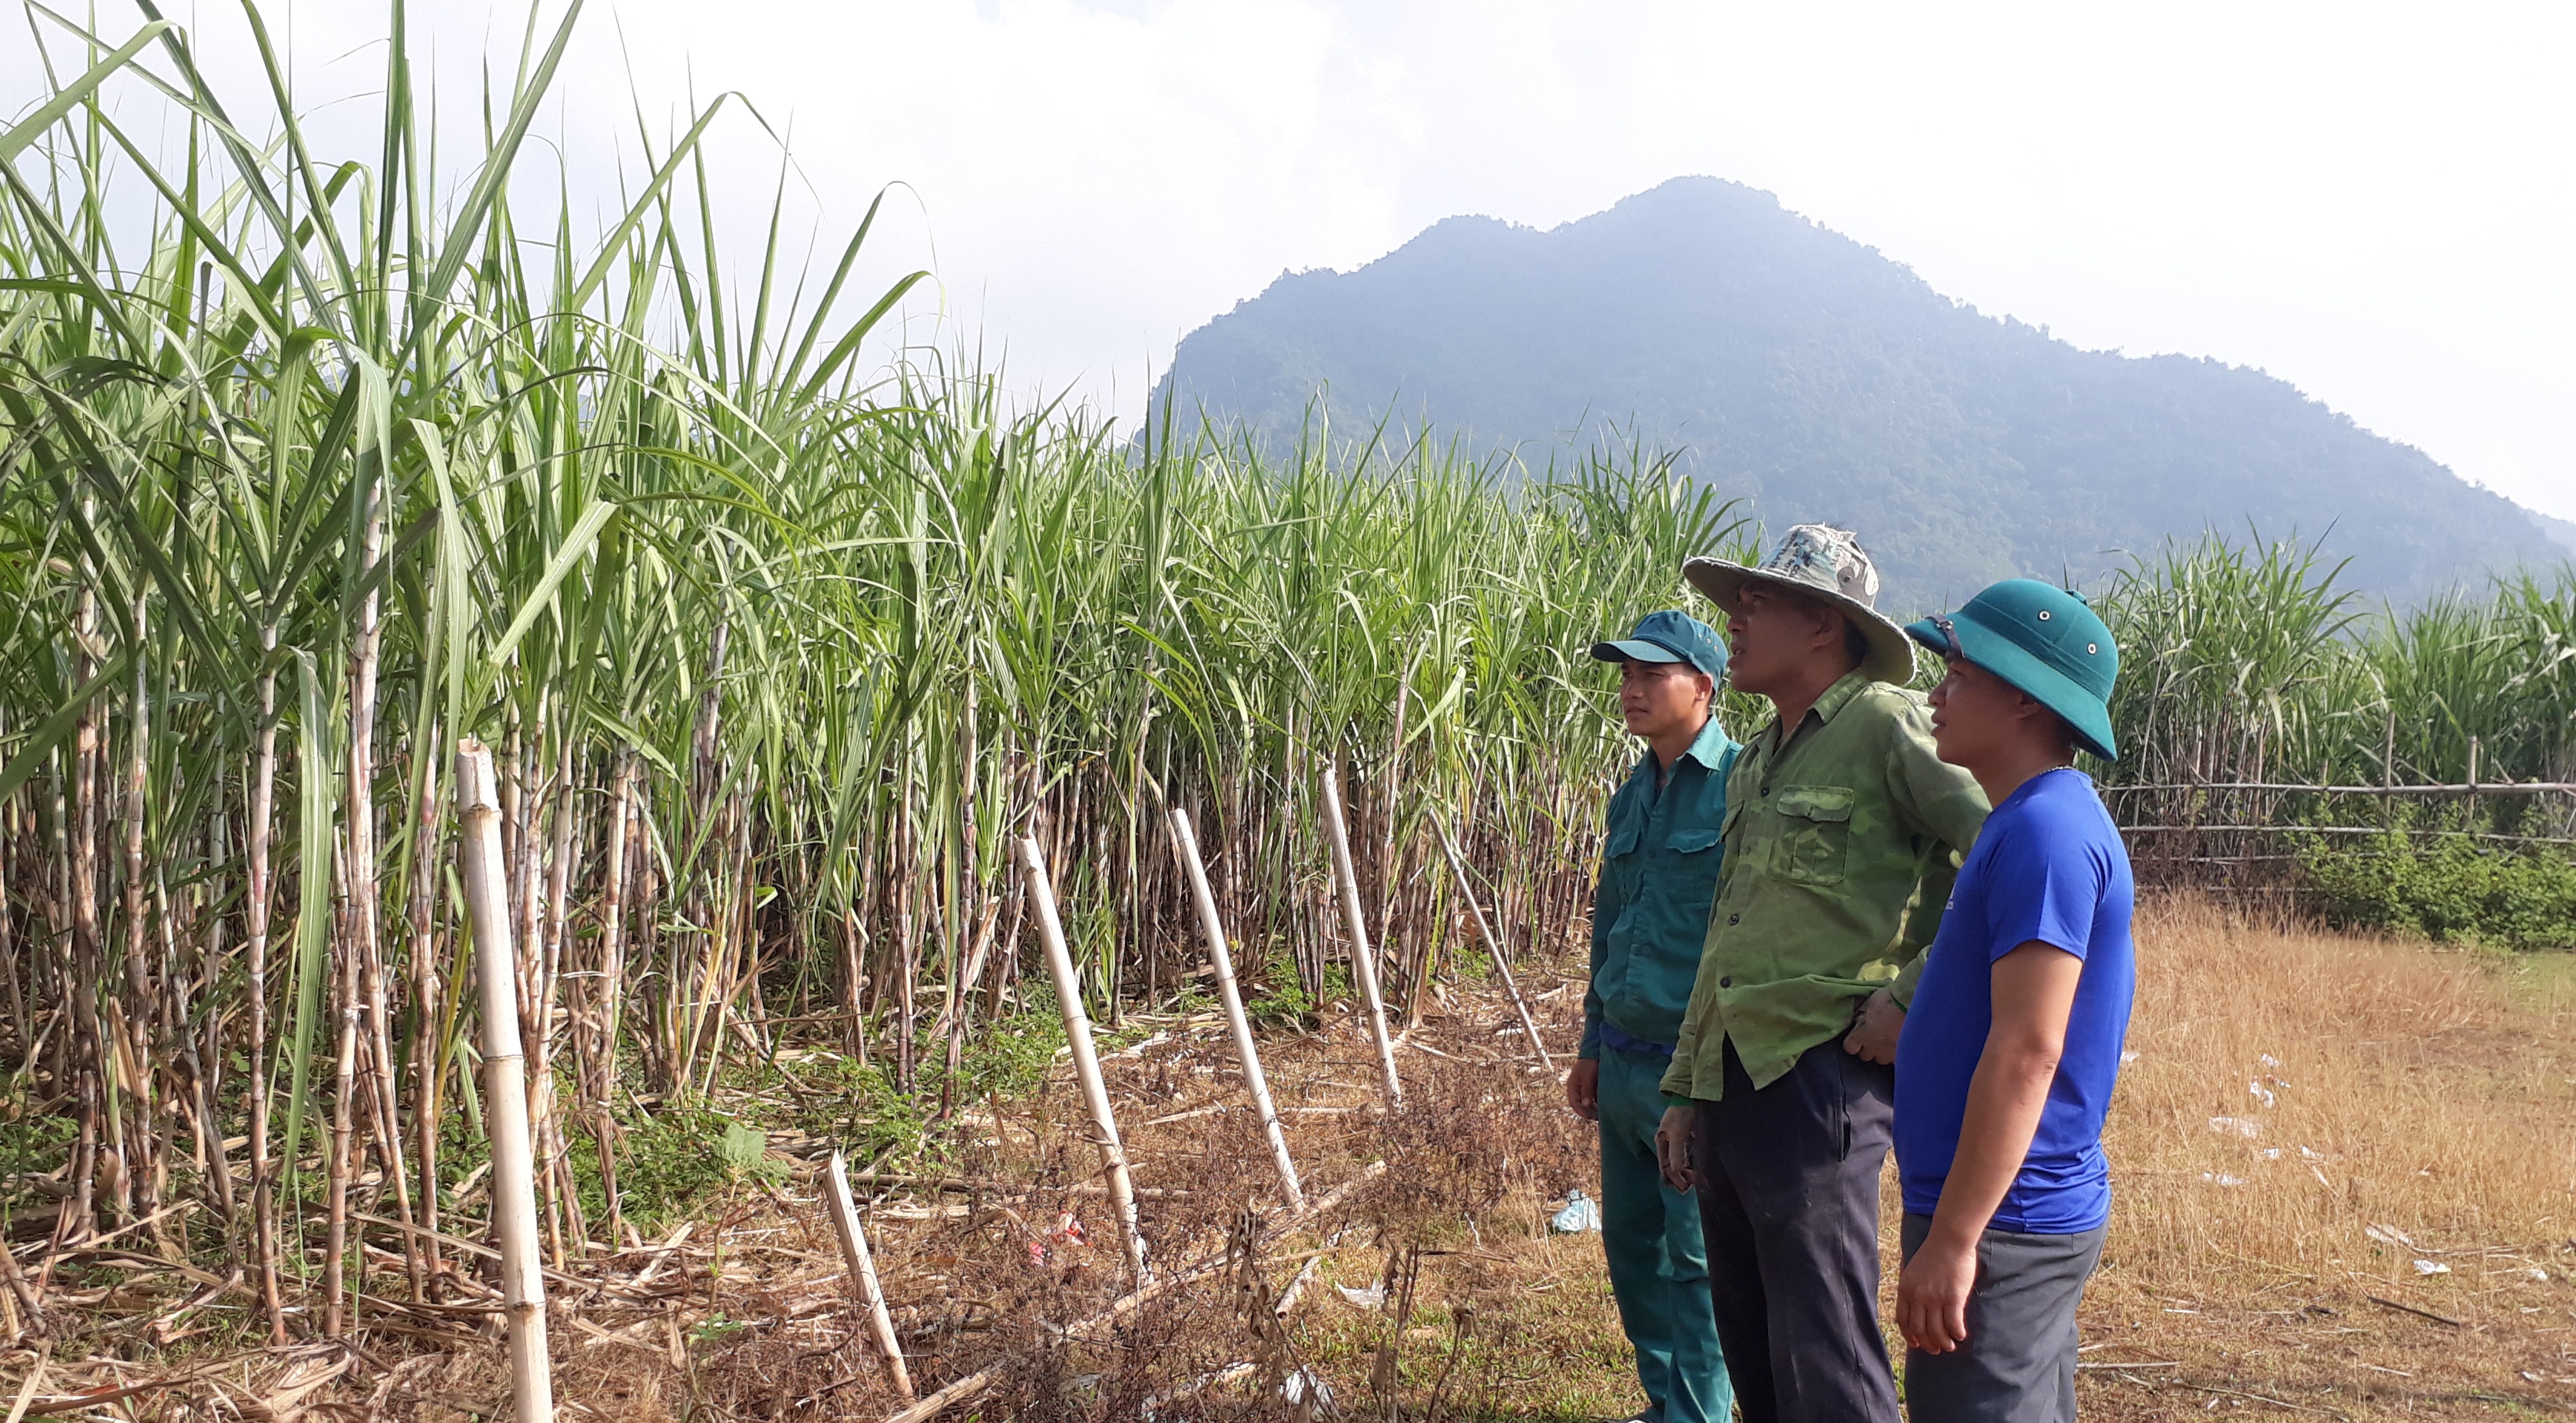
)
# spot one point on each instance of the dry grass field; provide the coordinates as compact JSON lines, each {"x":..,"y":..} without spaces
{"x":2346,"y":1179}
{"x":2346,"y":1188}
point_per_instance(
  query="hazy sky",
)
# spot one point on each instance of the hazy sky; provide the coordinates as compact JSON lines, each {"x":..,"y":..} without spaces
{"x":2375,"y":202}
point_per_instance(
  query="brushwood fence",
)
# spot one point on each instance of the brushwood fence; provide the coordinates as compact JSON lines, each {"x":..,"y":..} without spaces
{"x":2256,"y":838}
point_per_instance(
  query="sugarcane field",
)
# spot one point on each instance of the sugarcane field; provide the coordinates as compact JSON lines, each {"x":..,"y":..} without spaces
{"x":592,"y":829}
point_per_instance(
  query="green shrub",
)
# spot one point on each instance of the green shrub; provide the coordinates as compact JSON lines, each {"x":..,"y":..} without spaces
{"x":2447,"y":888}
{"x":669,"y":1164}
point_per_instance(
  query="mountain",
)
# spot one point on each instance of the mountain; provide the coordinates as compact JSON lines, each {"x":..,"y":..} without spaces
{"x":1820,"y":380}
{"x":2559,"y":529}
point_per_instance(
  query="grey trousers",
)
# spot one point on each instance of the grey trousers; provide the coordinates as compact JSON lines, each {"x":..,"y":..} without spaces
{"x":2018,"y":1365}
{"x":1788,"y":1202}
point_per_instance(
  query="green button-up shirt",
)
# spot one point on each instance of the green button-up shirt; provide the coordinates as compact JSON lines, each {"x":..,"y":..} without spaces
{"x":1658,"y":874}
{"x":1842,"y":837}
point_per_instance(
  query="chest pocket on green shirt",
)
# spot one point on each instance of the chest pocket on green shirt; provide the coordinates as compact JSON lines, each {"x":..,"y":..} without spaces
{"x":1815,"y":833}
{"x":1695,"y":839}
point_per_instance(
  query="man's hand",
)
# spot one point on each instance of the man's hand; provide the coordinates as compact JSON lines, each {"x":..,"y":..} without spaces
{"x":1673,"y":1147}
{"x":1873,"y":1034}
{"x":1583,"y":1088}
{"x":1932,"y":1295}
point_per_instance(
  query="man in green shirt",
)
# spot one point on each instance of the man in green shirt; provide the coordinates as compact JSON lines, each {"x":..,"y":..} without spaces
{"x":1658,"y":872}
{"x":1844,"y":830}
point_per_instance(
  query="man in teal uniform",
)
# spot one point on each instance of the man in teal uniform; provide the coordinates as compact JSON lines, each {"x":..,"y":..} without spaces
{"x":1649,"y":919}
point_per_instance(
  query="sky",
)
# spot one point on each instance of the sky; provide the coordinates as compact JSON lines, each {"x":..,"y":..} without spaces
{"x":2374,"y":202}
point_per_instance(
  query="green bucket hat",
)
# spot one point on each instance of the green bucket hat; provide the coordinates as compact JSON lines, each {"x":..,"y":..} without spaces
{"x":2046,"y":642}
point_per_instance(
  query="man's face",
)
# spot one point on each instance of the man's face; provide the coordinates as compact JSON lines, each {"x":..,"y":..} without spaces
{"x":1976,"y":715}
{"x":1771,"y":637}
{"x":1662,"y":698}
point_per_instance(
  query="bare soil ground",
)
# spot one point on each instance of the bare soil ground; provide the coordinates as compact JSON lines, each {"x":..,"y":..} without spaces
{"x":2346,"y":1187}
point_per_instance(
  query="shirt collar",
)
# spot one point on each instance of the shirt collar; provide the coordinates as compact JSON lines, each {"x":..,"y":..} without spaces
{"x":1832,"y":700}
{"x":1708,"y":749}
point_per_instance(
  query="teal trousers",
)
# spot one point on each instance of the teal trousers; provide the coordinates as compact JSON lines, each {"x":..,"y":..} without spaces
{"x":1658,"y":1268}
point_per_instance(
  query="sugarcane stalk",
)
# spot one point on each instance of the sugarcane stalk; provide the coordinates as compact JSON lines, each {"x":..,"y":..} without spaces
{"x":1086,"y":1063}
{"x":514,"y":1188}
{"x":336,"y":1193}
{"x":263,"y":803}
{"x":1185,"y":845}
{"x":1363,"y":965}
{"x":1493,"y":944}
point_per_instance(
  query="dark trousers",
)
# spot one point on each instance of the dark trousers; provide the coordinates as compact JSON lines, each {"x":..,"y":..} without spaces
{"x":1788,"y":1200}
{"x":2018,"y":1365}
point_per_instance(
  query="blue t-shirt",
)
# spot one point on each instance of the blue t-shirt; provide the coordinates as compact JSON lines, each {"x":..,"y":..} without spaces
{"x":2049,"y":866}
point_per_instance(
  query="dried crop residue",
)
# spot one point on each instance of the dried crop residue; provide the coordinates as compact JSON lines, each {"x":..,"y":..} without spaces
{"x":2429,"y":1090}
{"x":2405,"y":1105}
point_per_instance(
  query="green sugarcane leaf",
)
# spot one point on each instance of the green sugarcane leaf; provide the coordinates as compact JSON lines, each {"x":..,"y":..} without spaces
{"x":585,"y":531}
{"x":72,"y":95}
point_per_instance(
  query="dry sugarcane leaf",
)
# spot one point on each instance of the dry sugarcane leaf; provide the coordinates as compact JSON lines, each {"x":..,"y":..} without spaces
{"x":283,"y":1400}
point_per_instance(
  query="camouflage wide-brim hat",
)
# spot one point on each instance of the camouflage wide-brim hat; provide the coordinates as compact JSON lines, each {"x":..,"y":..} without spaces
{"x":1828,"y":564}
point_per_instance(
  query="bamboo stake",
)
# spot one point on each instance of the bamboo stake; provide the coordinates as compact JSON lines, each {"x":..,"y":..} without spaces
{"x":1363,"y":966}
{"x":1186,"y":846}
{"x":514,"y":1198}
{"x":1493,"y":944}
{"x":1086,"y":1064}
{"x":863,"y":1271}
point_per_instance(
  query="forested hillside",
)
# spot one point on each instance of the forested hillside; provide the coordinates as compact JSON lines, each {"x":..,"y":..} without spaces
{"x":1816,"y":377}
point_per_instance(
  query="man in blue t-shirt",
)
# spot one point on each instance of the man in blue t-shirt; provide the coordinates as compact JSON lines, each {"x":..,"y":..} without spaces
{"x":2009,"y":1055}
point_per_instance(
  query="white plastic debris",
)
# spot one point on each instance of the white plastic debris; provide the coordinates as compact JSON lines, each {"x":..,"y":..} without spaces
{"x":1302,"y":1385}
{"x":2261,"y":1093}
{"x":2540,"y":1274}
{"x":2310,"y":1153}
{"x":2388,"y":1235}
{"x":2431,"y":1267}
{"x":2245,"y":1127}
{"x":2269,"y":1060}
{"x":2221,"y":1179}
{"x":2128,"y":1057}
{"x":1374,"y":1297}
{"x":2271,"y":1153}
{"x":1579,"y":1215}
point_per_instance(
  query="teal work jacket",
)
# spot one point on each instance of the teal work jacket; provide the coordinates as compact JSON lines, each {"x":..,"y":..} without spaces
{"x":1658,"y":876}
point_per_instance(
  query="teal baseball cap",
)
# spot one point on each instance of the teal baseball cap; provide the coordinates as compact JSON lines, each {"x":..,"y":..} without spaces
{"x":1669,"y":637}
{"x":2046,"y":642}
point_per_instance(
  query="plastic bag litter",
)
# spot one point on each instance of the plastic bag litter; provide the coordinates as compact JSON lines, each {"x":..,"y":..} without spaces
{"x":2431,"y":1267}
{"x":1302,"y":1385}
{"x":1374,"y":1297}
{"x":1580,"y":1214}
{"x":2221,"y":1179}
{"x":2237,"y":1126}
{"x":2262,"y":1094}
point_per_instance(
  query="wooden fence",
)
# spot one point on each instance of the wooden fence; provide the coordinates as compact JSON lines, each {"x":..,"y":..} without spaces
{"x":2251,"y":837}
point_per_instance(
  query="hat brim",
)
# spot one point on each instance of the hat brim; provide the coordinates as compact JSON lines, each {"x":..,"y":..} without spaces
{"x":1633,"y":649}
{"x":1891,"y":652}
{"x":1982,"y":646}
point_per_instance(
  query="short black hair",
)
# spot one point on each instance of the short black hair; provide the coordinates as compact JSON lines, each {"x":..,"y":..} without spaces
{"x":1855,"y":642}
